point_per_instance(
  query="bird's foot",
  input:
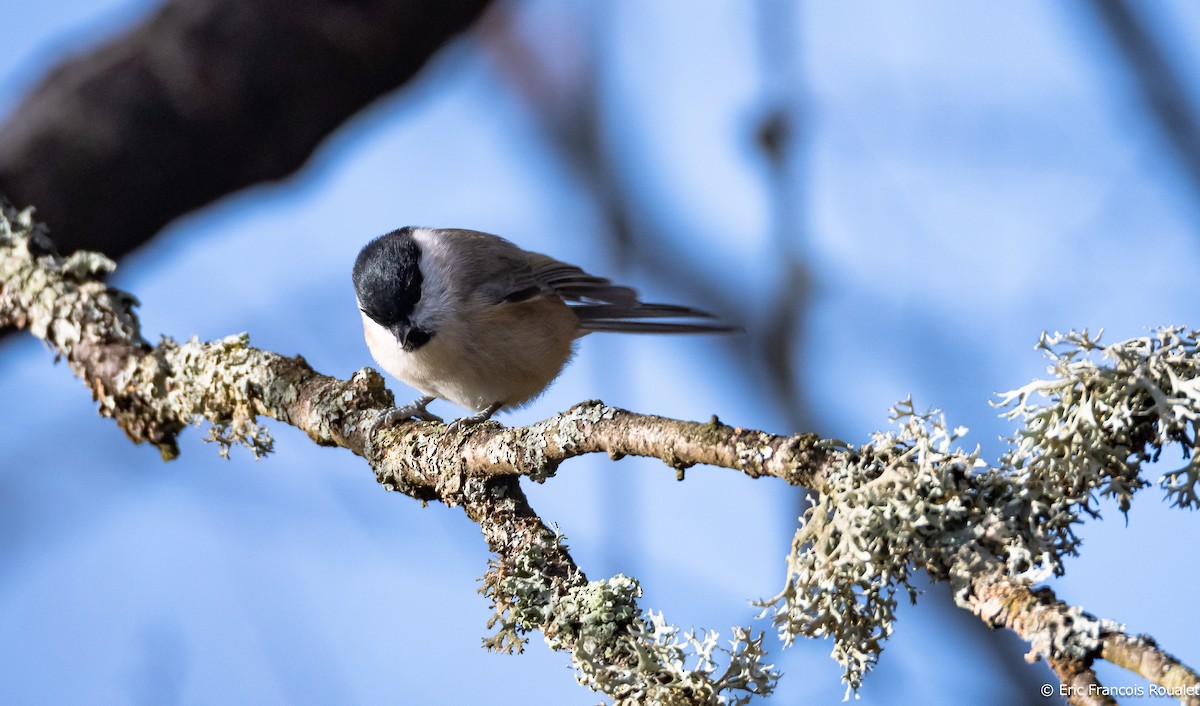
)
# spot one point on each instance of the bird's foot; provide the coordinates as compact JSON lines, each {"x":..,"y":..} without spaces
{"x":412,"y":410}
{"x":474,"y":419}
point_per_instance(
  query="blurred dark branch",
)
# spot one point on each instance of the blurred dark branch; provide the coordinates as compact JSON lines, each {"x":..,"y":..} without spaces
{"x":202,"y":99}
{"x":1162,"y":90}
{"x":781,"y":142}
{"x":565,"y":101}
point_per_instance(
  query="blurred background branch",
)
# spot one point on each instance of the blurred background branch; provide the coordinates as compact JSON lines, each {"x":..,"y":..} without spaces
{"x":1163,"y":92}
{"x":203,"y":98}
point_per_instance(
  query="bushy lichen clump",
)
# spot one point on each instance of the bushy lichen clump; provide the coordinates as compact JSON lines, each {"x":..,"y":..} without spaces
{"x":635,"y":658}
{"x":912,"y":499}
{"x":1106,"y":412}
{"x":902,"y":501}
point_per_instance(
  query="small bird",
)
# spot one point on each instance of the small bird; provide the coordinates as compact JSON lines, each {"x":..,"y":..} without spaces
{"x":471,"y":318}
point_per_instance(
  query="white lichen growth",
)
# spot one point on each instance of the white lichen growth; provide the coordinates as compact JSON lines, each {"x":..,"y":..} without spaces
{"x":527,"y":448}
{"x":906,"y":499}
{"x":1106,"y":412}
{"x":634,"y":658}
{"x":912,"y":499}
{"x":1071,"y":632}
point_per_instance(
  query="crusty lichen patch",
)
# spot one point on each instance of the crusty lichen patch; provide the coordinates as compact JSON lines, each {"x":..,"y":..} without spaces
{"x":57,"y":299}
{"x":64,"y":302}
{"x":51,"y":296}
{"x":1052,"y":629}
{"x":636,"y":658}
{"x":225,"y":382}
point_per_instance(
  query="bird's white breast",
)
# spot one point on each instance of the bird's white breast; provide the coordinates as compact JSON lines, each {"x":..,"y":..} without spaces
{"x":509,"y":359}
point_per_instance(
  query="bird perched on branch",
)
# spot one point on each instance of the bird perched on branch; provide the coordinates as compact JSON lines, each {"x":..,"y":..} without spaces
{"x":471,"y":318}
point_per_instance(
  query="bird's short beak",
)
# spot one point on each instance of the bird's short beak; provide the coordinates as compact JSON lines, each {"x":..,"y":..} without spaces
{"x":401,"y":331}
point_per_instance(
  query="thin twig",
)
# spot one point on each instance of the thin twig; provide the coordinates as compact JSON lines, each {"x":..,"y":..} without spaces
{"x":1141,"y":655}
{"x":1036,"y":615}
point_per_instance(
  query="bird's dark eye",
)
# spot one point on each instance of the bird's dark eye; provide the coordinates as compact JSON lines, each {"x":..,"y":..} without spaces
{"x":418,"y":337}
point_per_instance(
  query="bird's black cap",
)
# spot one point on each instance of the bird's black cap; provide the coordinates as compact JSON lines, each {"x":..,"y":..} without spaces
{"x":387,"y":279}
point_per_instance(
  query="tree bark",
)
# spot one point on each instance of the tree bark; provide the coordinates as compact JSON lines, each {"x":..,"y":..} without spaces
{"x":202,"y":99}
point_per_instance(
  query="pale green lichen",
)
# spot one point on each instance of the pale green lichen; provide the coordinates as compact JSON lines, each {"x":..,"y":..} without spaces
{"x":228,"y":384}
{"x":893,"y":504}
{"x":1107,"y":411}
{"x":85,"y":265}
{"x":568,"y":432}
{"x":570,"y":428}
{"x":53,"y":297}
{"x":634,"y":658}
{"x":911,"y":498}
{"x":63,"y":301}
{"x":532,"y":448}
{"x":754,"y":454}
{"x":1071,"y":633}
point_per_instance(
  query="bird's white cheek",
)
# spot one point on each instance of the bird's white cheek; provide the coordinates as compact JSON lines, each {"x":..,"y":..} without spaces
{"x":383,"y":346}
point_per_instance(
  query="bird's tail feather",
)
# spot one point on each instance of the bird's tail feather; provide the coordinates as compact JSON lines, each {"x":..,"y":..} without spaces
{"x":615,"y":318}
{"x":627,"y":326}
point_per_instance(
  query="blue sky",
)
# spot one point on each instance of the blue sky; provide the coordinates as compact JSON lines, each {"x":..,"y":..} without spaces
{"x":970,"y":174}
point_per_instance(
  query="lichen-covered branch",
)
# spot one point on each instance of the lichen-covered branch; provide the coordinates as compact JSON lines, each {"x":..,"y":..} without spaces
{"x":1061,"y":633}
{"x":153,"y":392}
{"x":1071,"y":640}
{"x":537,"y":450}
{"x":1065,"y":636}
{"x":910,"y":499}
{"x":633,"y":657}
{"x":1142,"y":656}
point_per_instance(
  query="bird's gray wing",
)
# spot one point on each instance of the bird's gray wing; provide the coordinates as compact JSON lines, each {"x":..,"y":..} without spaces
{"x":487,"y":266}
{"x":604,"y":306}
{"x":574,"y":285}
{"x":498,"y":271}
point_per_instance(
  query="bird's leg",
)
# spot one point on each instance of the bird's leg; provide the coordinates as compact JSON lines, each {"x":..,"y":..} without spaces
{"x":478,"y":418}
{"x":412,"y":410}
